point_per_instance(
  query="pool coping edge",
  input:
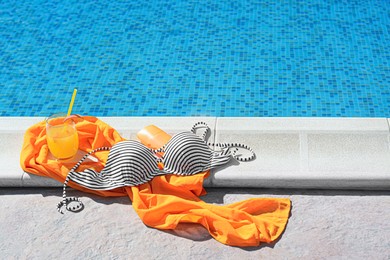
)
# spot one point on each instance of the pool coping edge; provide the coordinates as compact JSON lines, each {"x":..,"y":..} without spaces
{"x":295,"y":175}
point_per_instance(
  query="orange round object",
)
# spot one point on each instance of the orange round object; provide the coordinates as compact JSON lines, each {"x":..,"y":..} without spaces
{"x":153,"y":137}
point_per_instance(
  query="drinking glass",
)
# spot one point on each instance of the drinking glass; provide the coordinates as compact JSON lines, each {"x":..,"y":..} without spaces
{"x":61,"y":136}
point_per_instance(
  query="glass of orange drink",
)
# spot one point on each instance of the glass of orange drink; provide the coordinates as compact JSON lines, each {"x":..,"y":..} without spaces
{"x":61,"y":136}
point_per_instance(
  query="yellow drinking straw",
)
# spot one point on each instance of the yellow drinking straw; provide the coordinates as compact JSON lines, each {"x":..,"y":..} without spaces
{"x":72,"y":102}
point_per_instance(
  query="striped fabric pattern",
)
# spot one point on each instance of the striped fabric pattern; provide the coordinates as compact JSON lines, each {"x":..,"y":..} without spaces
{"x":130,"y":163}
{"x":186,"y":154}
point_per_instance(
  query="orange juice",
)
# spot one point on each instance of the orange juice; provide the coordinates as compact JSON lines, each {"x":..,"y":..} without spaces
{"x":62,"y":138}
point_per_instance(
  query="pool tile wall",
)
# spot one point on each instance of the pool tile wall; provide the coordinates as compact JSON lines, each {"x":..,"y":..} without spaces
{"x":196,"y":58}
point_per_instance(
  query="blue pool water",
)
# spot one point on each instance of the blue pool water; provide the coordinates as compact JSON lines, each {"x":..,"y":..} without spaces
{"x":196,"y":58}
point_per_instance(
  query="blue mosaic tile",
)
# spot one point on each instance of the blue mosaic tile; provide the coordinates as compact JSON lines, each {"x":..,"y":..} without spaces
{"x":196,"y":58}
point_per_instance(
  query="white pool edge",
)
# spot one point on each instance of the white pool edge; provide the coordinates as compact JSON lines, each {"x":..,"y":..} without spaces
{"x":321,"y":153}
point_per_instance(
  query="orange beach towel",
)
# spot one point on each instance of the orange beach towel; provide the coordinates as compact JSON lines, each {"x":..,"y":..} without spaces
{"x":168,"y":200}
{"x":93,"y":133}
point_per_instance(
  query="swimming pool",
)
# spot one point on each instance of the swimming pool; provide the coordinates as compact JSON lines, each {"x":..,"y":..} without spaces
{"x":196,"y":58}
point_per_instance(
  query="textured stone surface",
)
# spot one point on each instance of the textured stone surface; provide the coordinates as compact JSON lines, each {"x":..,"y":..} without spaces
{"x":352,"y":153}
{"x":343,"y":153}
{"x":11,"y":145}
{"x":323,"y":225}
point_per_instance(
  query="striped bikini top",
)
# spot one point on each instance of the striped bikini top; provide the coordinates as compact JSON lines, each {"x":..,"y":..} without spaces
{"x":130,"y":163}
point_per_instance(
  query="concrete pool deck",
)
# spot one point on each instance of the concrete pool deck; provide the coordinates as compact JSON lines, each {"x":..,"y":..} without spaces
{"x":324,"y":224}
{"x":325,"y":153}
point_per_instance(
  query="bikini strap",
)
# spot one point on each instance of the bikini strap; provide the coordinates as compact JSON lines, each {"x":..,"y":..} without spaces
{"x":159,"y":150}
{"x":67,"y":200}
{"x":159,"y":158}
{"x":236,"y":146}
{"x":226,"y":145}
{"x":201,"y":124}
